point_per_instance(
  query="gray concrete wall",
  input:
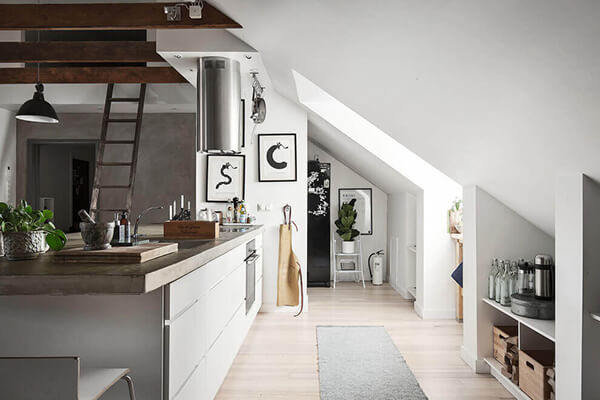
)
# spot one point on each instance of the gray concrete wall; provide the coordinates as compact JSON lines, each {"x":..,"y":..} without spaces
{"x":166,"y":161}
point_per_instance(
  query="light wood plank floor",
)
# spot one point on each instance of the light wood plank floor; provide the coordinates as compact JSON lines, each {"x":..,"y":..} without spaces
{"x":278,"y":360}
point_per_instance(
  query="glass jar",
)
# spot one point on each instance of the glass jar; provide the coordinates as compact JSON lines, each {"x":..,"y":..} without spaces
{"x":505,"y":286}
{"x":498,"y":281}
{"x":525,"y":278}
{"x":492,"y":280}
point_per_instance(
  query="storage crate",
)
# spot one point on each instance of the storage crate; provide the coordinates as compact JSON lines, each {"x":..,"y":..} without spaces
{"x":501,"y":333}
{"x":533,"y":365}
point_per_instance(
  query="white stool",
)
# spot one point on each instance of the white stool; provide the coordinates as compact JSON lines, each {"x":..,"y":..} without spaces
{"x":338,"y":256}
{"x":57,"y":378}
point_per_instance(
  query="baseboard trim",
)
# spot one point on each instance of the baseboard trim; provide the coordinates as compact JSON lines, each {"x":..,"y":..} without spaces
{"x":479,"y":366}
{"x":429,"y":313}
{"x":401,"y":291}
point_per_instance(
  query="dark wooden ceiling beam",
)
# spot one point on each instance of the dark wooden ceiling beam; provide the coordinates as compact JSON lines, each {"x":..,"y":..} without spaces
{"x":91,"y":75}
{"x":73,"y":52}
{"x":105,"y":16}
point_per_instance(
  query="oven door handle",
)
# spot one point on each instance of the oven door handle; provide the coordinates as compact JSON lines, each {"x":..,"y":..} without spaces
{"x":252,"y":258}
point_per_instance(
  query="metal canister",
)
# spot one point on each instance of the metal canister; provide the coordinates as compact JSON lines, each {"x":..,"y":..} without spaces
{"x":544,"y":277}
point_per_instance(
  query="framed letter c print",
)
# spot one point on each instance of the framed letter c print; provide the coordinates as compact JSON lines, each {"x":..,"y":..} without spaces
{"x":277,"y":157}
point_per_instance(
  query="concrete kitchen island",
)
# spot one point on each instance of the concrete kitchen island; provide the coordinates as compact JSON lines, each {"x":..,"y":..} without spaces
{"x":176,"y":321}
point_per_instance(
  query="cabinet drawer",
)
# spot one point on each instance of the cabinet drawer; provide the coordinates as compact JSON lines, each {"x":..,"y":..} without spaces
{"x":221,"y":355}
{"x":195,"y":387}
{"x":185,"y":290}
{"x":186,"y":344}
{"x":222,"y":302}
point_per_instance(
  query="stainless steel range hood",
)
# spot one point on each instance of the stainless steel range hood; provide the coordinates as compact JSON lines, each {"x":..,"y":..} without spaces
{"x":218,"y":105}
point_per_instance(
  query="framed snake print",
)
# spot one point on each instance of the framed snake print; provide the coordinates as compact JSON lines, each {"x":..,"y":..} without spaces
{"x":225,"y":177}
{"x":277,"y":157}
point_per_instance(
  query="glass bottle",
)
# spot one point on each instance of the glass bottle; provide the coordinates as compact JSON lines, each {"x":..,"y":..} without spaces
{"x":498,"y":281}
{"x":505,"y":285}
{"x":513,"y":278}
{"x":492,"y":280}
{"x":243,"y":213}
{"x":229,"y":212}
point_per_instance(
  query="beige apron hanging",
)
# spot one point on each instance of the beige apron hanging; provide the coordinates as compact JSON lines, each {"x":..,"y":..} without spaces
{"x":289,"y":276}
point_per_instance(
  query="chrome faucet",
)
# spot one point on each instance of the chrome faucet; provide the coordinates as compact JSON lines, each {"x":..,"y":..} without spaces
{"x":137,"y":221}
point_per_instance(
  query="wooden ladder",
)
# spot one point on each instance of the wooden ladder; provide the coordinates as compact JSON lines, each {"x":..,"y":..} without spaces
{"x":94,"y":209}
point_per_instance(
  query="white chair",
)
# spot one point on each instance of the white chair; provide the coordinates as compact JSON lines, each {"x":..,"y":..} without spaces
{"x":338,"y":256}
{"x":57,"y":378}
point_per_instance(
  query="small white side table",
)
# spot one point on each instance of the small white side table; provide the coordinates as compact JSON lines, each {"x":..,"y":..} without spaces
{"x":338,"y":256}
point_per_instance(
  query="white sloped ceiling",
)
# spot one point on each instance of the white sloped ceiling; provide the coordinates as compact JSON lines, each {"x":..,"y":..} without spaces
{"x":502,"y":94}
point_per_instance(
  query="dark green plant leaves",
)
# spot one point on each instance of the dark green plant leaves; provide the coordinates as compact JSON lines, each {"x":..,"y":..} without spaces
{"x":346,"y":220}
{"x":23,"y":218}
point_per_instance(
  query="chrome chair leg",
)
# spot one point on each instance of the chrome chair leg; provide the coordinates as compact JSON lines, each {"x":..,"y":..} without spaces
{"x":129,"y":381}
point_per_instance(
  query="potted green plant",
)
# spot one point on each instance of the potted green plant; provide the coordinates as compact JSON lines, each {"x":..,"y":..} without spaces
{"x":27,"y":232}
{"x":345,"y":222}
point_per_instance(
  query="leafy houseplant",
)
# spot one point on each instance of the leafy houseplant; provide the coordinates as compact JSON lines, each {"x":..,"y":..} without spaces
{"x":25,"y":229}
{"x":345,"y":222}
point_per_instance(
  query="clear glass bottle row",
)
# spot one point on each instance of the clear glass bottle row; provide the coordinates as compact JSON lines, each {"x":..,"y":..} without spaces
{"x":502,"y":281}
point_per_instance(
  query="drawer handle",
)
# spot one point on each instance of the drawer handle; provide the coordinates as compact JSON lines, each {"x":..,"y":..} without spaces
{"x":530,"y":365}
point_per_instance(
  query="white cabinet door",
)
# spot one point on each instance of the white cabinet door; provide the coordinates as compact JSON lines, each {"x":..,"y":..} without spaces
{"x":223,"y":300}
{"x":221,"y":355}
{"x":186,"y":346}
{"x":195,"y":387}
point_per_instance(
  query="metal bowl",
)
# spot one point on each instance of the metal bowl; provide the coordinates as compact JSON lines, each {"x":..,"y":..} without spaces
{"x":97,"y":236}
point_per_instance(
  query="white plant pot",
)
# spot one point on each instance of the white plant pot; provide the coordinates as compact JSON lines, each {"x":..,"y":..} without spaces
{"x":348,"y":246}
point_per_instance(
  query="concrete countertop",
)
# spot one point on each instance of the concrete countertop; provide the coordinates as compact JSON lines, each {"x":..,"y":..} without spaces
{"x":44,"y":276}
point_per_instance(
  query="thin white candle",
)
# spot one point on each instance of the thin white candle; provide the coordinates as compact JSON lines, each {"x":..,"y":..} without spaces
{"x":189,"y":205}
{"x":170,"y":212}
{"x":182,"y":201}
{"x":174,"y":207}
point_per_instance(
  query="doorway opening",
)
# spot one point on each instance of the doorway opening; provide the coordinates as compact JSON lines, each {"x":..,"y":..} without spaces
{"x":60,"y":178}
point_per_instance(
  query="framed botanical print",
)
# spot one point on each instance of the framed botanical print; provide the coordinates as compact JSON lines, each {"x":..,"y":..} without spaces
{"x":363,"y":207}
{"x":277,"y":157}
{"x":225,"y":177}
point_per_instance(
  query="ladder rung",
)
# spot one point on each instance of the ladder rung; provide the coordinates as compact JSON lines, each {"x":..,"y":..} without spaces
{"x":112,"y":186}
{"x":121,"y":120}
{"x":125,"y":99}
{"x":115,"y":164}
{"x":119,"y":141}
{"x":108,"y":209}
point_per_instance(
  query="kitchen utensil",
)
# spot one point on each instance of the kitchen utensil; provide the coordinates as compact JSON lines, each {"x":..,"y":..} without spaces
{"x":85,"y":217}
{"x":97,"y":236}
{"x":544,"y":277}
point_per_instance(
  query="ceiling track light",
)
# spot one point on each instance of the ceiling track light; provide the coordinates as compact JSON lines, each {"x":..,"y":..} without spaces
{"x":37,"y":109}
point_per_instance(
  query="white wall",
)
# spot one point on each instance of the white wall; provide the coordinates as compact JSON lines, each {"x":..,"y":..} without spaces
{"x":8,"y":156}
{"x":491,"y":230}
{"x":402,"y":233}
{"x":283,"y":117}
{"x":344,"y":177}
{"x":577,"y":277}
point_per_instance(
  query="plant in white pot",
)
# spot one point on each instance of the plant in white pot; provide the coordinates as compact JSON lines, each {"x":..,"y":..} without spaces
{"x":27,"y":232}
{"x":345,"y":222}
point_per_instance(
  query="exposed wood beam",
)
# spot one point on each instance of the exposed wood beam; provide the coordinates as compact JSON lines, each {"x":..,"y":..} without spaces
{"x":72,"y":52}
{"x":105,"y":16}
{"x":92,"y":75}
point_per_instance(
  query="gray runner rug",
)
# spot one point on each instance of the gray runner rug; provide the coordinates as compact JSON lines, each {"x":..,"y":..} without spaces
{"x":362,"y":362}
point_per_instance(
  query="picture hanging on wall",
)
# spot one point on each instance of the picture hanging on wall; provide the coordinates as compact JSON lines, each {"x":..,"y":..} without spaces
{"x":277,"y":157}
{"x":225,"y":177}
{"x":363,"y":207}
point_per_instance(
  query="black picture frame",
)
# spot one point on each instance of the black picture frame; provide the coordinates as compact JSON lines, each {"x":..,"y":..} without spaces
{"x":262,"y":157}
{"x":243,"y":122}
{"x":210,"y":157}
{"x":370,"y":191}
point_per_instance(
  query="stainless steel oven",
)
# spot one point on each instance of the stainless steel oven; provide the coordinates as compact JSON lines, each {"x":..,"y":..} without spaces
{"x":251,"y":257}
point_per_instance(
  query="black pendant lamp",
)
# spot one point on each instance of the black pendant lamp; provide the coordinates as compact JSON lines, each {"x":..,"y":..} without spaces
{"x":37,"y":109}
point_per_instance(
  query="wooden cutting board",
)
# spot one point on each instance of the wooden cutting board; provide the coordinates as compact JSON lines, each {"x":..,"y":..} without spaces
{"x":117,"y":255}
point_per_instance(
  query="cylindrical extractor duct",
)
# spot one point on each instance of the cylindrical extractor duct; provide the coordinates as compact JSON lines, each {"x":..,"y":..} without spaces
{"x":218,"y":105}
